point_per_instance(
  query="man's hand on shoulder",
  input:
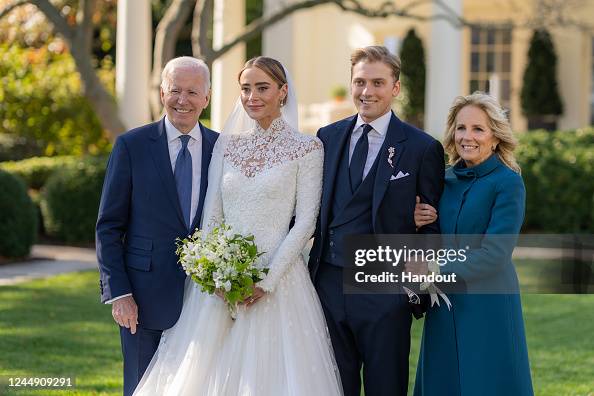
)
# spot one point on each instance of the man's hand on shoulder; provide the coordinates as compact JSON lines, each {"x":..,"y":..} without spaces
{"x":125,"y":313}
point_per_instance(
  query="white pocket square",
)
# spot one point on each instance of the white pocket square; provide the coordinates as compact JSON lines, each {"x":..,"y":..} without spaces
{"x":400,"y":175}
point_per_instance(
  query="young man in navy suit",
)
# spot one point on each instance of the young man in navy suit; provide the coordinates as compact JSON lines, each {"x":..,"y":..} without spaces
{"x":153,"y":193}
{"x":374,"y":167}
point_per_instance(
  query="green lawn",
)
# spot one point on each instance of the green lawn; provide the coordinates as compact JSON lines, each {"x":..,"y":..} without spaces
{"x":56,"y":327}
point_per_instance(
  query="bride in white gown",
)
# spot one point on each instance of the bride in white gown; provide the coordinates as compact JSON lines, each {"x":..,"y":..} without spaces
{"x":263,"y":172}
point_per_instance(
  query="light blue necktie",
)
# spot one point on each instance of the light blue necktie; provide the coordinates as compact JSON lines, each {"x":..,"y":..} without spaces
{"x":183,"y":178}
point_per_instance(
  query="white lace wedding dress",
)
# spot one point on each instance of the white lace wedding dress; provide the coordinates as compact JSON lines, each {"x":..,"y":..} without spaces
{"x":280,"y":345}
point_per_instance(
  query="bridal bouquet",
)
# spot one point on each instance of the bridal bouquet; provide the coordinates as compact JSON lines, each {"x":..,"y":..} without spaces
{"x":222,"y":260}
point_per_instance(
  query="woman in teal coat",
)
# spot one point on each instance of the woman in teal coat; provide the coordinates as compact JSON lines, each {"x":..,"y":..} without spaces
{"x":478,"y":346}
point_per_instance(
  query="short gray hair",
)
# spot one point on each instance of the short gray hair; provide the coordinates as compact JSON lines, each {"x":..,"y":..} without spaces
{"x":186,"y":62}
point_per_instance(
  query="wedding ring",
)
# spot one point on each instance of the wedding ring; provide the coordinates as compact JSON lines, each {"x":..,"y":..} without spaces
{"x":251,"y":300}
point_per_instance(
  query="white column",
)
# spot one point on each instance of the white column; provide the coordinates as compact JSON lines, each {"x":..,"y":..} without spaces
{"x":444,"y":69}
{"x":229,"y":20}
{"x":133,"y":60}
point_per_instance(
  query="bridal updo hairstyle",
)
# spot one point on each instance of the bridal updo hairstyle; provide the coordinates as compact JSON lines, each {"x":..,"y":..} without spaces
{"x":273,"y":68}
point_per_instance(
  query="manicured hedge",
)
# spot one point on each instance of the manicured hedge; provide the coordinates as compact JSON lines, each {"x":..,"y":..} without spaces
{"x":18,"y":217}
{"x":70,"y":201}
{"x":35,"y":171}
{"x":558,"y":170}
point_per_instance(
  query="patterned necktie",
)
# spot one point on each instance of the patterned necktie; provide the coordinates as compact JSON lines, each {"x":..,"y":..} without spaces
{"x":183,"y":178}
{"x":359,"y":158}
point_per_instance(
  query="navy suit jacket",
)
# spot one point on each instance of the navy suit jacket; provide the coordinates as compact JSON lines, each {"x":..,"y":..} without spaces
{"x":415,"y":152}
{"x":139,"y":220}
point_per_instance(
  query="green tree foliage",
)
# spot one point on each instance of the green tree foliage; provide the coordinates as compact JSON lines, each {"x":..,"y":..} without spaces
{"x":412,"y":56}
{"x":41,"y":100}
{"x":540,"y":92}
{"x":19,"y":217}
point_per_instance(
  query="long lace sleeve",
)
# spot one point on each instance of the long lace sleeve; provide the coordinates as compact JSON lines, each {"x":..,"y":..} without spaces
{"x":307,"y":205}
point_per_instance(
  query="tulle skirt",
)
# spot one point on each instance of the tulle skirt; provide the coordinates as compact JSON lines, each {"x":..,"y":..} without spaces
{"x":278,"y":346}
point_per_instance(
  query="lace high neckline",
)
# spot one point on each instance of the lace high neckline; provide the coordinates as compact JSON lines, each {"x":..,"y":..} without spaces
{"x":277,"y":125}
{"x":263,"y":149}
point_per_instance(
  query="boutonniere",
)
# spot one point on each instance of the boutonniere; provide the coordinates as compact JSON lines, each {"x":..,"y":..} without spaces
{"x":391,"y":153}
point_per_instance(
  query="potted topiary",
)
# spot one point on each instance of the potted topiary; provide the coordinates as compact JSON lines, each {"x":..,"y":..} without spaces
{"x":339,"y":93}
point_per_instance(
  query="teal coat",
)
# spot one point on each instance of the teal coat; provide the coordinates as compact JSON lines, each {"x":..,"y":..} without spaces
{"x":479,"y":347}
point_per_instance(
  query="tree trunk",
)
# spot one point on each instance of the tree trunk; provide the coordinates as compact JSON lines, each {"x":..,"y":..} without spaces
{"x":101,"y":100}
{"x":201,"y":24}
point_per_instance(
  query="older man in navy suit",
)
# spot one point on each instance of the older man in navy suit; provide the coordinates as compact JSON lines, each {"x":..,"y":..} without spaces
{"x":374,"y":167}
{"x":153,"y":193}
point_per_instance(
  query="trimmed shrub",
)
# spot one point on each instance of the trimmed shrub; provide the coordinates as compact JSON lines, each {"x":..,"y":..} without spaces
{"x":558,"y":170}
{"x":13,"y":147}
{"x":35,"y":171}
{"x":540,"y":98}
{"x":70,"y":201}
{"x":18,"y":224}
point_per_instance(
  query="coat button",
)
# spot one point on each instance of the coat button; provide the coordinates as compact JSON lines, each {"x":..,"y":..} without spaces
{"x":331,"y":232}
{"x":331,"y":243}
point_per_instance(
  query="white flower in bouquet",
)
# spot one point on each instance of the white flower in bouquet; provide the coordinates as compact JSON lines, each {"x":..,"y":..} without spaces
{"x":222,"y":260}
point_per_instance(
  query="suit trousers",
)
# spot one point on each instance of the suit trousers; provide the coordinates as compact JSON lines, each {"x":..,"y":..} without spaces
{"x":371,"y":331}
{"x":138,"y":350}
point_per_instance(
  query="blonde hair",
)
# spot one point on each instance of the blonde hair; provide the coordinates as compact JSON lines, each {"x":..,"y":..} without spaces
{"x":376,"y":53}
{"x":273,"y":68}
{"x":498,"y":123}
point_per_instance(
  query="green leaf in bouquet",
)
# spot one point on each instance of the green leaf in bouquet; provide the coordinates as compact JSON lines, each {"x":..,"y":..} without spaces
{"x":252,"y":250}
{"x":247,"y":281}
{"x":241,"y":265}
{"x":233,"y":296}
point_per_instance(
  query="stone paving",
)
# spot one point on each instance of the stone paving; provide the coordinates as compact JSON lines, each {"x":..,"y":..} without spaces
{"x":46,"y":260}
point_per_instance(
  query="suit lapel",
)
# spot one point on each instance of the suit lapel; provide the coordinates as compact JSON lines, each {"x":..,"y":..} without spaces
{"x":395,"y":138}
{"x":331,"y":163}
{"x":160,"y":151}
{"x":207,"y":146}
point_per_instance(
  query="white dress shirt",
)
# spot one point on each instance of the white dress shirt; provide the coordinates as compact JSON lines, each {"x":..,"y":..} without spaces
{"x":195,"y":147}
{"x":375,"y":137}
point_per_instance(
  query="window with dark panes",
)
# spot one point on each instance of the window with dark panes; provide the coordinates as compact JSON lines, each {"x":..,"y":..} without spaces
{"x":490,"y":62}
